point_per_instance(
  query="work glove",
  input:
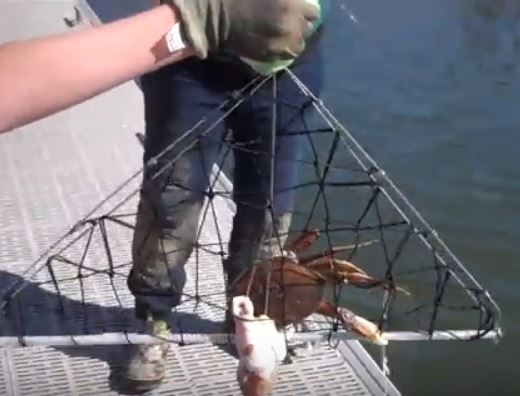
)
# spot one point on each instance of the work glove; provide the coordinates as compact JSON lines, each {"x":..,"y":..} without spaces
{"x":260,"y":30}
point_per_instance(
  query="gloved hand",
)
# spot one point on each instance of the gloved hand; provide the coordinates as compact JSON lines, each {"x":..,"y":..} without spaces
{"x":261,"y":30}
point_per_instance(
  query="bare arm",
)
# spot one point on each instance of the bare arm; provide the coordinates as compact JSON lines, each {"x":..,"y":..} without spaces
{"x":42,"y":76}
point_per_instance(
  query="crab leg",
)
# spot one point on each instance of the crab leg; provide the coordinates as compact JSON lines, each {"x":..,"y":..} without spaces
{"x":353,"y":322}
{"x":305,"y":240}
{"x":333,"y":250}
{"x":345,"y":271}
{"x":326,"y":265}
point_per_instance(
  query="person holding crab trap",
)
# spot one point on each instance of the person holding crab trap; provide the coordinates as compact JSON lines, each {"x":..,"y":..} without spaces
{"x":179,"y":157}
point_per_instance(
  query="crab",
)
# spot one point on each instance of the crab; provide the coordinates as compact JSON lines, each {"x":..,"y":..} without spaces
{"x":296,"y":285}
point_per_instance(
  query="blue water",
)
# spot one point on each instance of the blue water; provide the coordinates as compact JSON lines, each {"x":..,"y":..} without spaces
{"x":431,"y":90}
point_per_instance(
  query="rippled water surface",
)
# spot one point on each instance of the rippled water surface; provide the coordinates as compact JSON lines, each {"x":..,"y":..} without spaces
{"x":431,"y":89}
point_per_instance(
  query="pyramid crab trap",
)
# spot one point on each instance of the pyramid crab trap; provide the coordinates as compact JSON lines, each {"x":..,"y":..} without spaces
{"x":357,"y":262}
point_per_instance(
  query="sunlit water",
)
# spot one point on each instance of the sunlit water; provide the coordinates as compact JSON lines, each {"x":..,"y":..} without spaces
{"x":430,"y":88}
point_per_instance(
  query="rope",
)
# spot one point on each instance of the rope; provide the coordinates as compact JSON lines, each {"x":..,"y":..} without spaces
{"x":270,"y":204}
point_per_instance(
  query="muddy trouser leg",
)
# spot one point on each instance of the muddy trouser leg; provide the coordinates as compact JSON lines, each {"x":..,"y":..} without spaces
{"x":173,"y":187}
{"x":257,"y":228}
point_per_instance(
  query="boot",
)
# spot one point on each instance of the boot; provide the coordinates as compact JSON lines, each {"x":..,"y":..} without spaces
{"x":147,"y":366}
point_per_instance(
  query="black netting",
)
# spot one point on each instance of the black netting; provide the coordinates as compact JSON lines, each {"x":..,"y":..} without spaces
{"x":412,"y":281}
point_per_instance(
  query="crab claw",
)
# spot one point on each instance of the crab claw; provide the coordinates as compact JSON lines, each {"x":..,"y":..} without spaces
{"x":353,"y":322}
{"x":361,"y":326}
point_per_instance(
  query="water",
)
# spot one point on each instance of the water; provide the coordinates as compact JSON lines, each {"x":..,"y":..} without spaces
{"x":430,"y":88}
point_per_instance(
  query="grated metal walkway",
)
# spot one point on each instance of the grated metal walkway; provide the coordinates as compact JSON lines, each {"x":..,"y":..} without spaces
{"x":51,"y":174}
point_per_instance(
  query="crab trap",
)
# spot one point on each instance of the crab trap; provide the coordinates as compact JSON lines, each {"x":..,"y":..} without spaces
{"x":340,"y":253}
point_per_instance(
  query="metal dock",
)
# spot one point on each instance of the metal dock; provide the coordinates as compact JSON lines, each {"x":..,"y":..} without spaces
{"x":54,"y":171}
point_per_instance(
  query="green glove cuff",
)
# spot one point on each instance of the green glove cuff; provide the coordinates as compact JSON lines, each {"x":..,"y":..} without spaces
{"x":268,"y":68}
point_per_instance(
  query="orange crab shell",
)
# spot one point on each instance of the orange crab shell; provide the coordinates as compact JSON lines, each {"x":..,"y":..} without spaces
{"x":295,"y":292}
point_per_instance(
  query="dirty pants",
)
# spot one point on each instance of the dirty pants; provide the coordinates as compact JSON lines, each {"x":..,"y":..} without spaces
{"x":174,"y":187}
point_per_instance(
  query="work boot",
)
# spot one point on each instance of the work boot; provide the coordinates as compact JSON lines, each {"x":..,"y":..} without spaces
{"x":147,"y":367}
